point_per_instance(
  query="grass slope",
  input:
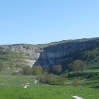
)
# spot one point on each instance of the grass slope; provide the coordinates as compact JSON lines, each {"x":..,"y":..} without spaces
{"x":47,"y":92}
{"x":8,"y":90}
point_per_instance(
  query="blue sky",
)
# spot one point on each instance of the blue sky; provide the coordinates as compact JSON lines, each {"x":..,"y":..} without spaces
{"x":44,"y":21}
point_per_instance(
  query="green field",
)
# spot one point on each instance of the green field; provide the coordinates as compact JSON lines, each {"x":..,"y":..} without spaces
{"x":12,"y":87}
{"x":47,"y":92}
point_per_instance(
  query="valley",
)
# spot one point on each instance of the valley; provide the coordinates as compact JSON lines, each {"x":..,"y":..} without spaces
{"x":62,"y":70}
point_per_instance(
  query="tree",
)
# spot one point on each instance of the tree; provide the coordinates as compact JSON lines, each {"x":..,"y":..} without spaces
{"x":37,"y":70}
{"x":82,"y":66}
{"x":78,"y":66}
{"x":27,"y":70}
{"x":57,"y":69}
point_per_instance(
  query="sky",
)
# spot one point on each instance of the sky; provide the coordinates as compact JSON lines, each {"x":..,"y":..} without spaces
{"x":45,"y":21}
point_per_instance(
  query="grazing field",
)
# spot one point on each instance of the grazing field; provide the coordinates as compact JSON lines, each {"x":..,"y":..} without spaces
{"x":12,"y":87}
{"x":47,"y":92}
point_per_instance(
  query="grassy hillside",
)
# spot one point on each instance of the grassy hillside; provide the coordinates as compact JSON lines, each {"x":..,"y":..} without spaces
{"x":12,"y":60}
{"x":12,"y":87}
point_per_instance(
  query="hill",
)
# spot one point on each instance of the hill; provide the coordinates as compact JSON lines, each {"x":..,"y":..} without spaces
{"x":51,"y":54}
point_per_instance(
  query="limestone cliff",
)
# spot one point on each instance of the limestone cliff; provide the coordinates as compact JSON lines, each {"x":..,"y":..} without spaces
{"x":51,"y":54}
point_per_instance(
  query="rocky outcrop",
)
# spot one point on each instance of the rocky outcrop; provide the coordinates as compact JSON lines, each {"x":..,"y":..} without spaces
{"x":50,"y":54}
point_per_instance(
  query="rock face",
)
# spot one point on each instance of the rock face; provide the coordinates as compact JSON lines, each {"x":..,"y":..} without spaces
{"x":50,"y":54}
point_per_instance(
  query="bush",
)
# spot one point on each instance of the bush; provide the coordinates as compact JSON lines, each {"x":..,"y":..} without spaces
{"x":27,"y":70}
{"x":51,"y":79}
{"x":37,"y":70}
{"x":75,"y":82}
